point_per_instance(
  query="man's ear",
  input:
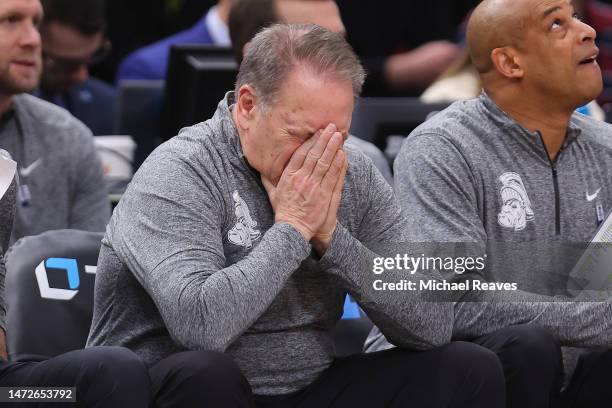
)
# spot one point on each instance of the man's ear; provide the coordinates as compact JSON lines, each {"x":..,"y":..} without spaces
{"x":507,"y":62}
{"x":246,"y":102}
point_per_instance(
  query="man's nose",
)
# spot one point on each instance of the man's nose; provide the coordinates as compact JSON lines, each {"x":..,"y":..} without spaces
{"x":30,"y":36}
{"x":587,"y":33}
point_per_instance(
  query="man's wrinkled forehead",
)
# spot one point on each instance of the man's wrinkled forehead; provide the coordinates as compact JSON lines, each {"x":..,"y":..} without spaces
{"x":304,"y":124}
{"x":542,"y":9}
{"x":22,"y":7}
{"x":524,"y":16}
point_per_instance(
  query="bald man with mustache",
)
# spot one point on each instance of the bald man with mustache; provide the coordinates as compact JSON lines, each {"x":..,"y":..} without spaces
{"x":518,"y":165}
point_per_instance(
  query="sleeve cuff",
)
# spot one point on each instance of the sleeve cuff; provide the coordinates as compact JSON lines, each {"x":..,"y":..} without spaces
{"x":339,"y":248}
{"x":292,"y":237}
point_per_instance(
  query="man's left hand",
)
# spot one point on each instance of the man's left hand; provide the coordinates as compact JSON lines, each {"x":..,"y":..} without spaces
{"x":321,"y":240}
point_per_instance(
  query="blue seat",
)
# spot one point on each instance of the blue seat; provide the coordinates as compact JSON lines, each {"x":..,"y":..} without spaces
{"x":351,"y":331}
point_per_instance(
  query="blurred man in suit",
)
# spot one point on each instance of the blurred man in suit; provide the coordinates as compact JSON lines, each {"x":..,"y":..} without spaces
{"x":73,"y":37}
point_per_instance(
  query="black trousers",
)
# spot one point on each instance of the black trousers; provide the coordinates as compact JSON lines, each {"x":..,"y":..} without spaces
{"x":590,"y":385}
{"x":460,"y":374}
{"x":532,"y":362}
{"x":103,"y":377}
{"x":533,"y":368}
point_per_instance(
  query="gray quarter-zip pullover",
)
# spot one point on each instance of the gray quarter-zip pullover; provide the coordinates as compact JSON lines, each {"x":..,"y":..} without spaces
{"x":192,"y":259}
{"x":58,"y":167}
{"x":472,"y":173}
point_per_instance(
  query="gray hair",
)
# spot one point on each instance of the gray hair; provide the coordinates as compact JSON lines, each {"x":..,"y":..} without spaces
{"x":277,"y":49}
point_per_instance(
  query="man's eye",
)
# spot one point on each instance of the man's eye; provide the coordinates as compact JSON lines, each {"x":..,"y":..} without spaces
{"x":13,"y":19}
{"x":576,"y":17}
{"x":556,"y":24}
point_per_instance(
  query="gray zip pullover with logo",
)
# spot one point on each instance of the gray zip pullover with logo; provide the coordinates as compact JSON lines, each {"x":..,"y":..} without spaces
{"x":472,"y":173}
{"x":192,"y":259}
{"x":58,"y":163}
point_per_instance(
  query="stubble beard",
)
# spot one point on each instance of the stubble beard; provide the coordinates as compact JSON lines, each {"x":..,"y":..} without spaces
{"x":10,"y":84}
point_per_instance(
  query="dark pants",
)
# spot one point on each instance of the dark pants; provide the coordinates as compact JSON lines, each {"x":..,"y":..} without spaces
{"x":103,"y":377}
{"x":590,"y":386}
{"x":457,"y":375}
{"x":532,"y":362}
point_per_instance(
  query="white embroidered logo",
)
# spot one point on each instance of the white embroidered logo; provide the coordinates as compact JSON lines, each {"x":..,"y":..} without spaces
{"x":516,"y":208}
{"x":244,"y":232}
{"x":591,"y":197}
{"x":26,"y":171}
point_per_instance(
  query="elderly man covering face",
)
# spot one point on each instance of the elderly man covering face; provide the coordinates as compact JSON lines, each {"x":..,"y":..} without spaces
{"x":518,"y":166}
{"x":208,"y":271}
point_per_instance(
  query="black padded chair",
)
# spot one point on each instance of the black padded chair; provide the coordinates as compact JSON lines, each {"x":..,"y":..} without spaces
{"x":376,"y":118}
{"x":49,"y":293}
{"x":139,"y":115}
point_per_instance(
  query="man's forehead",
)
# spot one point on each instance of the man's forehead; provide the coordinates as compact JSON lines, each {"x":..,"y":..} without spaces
{"x":22,"y":6}
{"x":544,"y":8}
{"x":61,"y":38}
{"x":312,"y":99}
{"x":309,"y":121}
{"x":296,"y":120}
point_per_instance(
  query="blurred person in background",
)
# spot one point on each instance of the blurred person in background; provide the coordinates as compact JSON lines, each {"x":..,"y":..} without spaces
{"x":73,"y":38}
{"x":404,"y":46}
{"x":151,"y":62}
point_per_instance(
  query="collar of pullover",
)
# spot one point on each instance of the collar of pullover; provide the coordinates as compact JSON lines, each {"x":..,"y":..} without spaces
{"x":223,"y":118}
{"x":7,"y":115}
{"x":512,"y":127}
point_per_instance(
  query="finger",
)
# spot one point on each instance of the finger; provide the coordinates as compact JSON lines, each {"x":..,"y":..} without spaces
{"x":328,"y":156}
{"x":317,"y":150}
{"x":335,"y":170}
{"x":336,"y":197}
{"x":342,"y":176}
{"x":297,"y":159}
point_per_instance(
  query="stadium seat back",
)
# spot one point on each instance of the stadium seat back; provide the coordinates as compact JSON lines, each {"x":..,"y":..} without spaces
{"x":49,"y":293}
{"x":139,"y":112}
{"x":375,"y":118}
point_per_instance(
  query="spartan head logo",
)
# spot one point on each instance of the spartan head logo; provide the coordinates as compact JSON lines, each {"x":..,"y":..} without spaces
{"x":516,"y":207}
{"x":244,"y":232}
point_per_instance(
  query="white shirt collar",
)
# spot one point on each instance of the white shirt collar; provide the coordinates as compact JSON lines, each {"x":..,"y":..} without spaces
{"x":217,"y":28}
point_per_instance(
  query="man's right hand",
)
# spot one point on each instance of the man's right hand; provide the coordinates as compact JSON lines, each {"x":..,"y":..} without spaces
{"x":304,"y":192}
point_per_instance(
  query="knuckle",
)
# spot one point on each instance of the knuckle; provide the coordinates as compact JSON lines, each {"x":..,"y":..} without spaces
{"x":323,"y":163}
{"x":313,"y":155}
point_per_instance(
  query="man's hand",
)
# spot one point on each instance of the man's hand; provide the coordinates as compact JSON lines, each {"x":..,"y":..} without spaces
{"x":323,"y":237}
{"x":310,"y":186}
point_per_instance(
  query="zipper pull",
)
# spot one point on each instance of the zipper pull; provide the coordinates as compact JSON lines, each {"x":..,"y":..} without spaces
{"x":600,"y":213}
